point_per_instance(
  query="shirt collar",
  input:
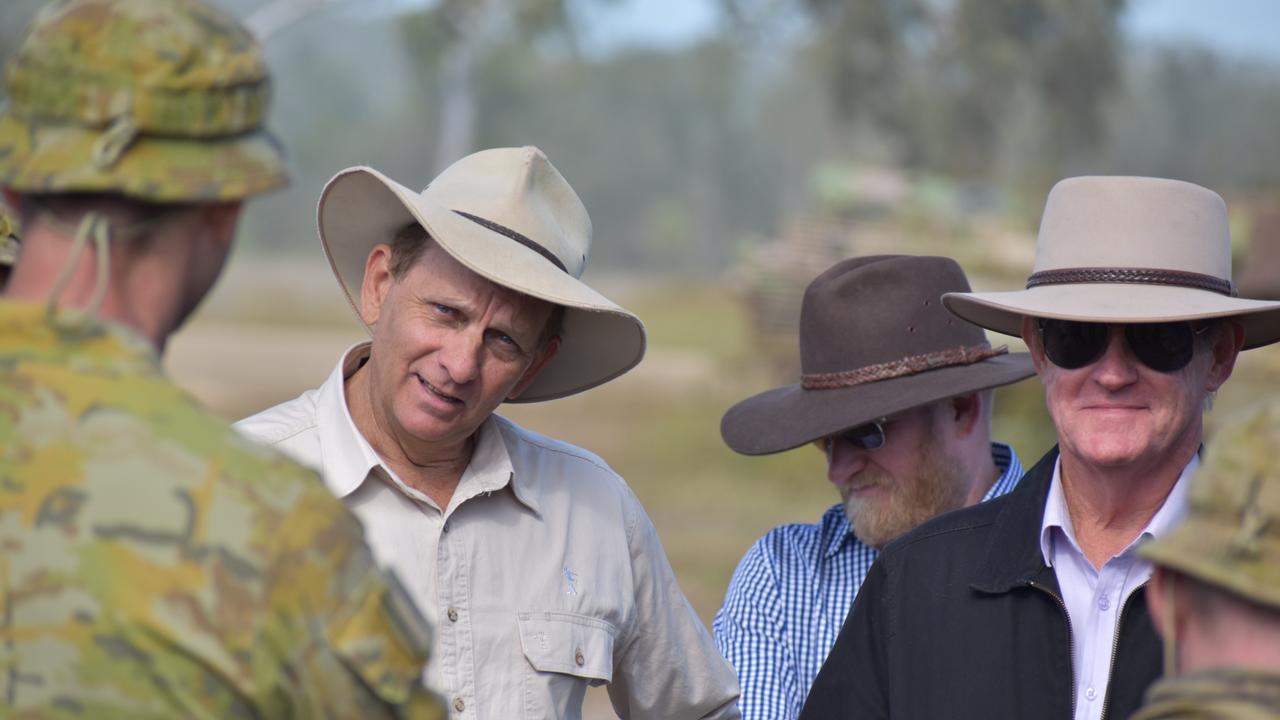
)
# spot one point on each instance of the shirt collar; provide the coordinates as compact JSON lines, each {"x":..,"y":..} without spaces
{"x":348,"y":458}
{"x":1057,"y":518}
{"x":836,"y":527}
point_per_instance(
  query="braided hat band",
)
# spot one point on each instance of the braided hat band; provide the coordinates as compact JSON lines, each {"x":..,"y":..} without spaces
{"x":1140,"y":276}
{"x":900,"y":368}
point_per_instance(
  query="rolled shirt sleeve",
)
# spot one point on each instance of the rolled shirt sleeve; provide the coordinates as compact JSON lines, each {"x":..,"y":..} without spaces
{"x":668,"y":667}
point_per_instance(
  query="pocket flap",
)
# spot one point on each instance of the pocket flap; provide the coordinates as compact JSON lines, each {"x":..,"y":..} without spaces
{"x":565,"y":642}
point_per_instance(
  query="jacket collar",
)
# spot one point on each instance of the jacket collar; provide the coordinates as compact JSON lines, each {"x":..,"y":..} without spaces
{"x":1013,"y":557}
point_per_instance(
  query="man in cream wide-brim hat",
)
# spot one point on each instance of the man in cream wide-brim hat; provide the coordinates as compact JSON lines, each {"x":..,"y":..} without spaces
{"x":537,"y":564}
{"x":1031,"y":605}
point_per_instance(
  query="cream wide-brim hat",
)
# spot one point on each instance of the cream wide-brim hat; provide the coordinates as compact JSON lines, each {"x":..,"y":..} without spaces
{"x":509,"y":216}
{"x":1126,"y":250}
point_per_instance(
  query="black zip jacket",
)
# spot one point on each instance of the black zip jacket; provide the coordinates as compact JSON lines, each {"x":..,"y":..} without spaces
{"x":961,"y":618}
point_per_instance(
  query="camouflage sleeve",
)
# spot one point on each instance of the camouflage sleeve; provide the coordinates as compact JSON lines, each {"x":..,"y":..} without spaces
{"x":364,"y":644}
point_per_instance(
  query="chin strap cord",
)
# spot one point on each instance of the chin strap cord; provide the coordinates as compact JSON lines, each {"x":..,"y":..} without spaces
{"x":93,"y":226}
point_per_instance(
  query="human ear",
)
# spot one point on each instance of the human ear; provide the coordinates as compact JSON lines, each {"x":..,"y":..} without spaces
{"x":1031,"y":337}
{"x":1226,"y":348}
{"x":965,"y":411}
{"x":377,"y":282}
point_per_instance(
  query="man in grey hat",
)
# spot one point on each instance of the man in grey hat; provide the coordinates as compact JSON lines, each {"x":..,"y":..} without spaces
{"x":1215,"y":591}
{"x":899,"y":395}
{"x":155,"y":563}
{"x":539,"y":567}
{"x":1032,"y":605}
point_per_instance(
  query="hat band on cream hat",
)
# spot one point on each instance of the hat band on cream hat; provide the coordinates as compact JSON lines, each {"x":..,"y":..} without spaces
{"x":1127,"y":250}
{"x":1141,"y":276}
{"x":508,"y":215}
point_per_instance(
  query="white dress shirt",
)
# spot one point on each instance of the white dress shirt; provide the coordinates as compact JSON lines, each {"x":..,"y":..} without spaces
{"x":543,"y":575}
{"x":1096,"y":598}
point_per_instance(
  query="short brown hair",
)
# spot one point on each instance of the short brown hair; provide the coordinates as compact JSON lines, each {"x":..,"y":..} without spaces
{"x":407,"y":246}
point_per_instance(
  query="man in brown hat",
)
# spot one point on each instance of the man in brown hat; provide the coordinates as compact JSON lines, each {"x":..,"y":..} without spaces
{"x":1215,"y":591}
{"x":899,"y":395}
{"x":541,"y":570}
{"x":1032,"y":605}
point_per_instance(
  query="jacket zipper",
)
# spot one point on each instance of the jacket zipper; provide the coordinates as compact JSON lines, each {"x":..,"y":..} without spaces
{"x":1071,"y":643}
{"x":1115,"y":650}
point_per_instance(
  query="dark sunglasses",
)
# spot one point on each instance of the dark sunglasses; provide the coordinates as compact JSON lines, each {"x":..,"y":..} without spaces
{"x":1163,"y":347}
{"x":868,"y":437}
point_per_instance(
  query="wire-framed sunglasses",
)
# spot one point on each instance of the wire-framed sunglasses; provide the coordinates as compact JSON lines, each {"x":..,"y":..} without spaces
{"x":1164,"y":347}
{"x":868,"y":436}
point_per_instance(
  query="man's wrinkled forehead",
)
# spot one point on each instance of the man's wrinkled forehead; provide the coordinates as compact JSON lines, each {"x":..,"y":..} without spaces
{"x":466,"y":282}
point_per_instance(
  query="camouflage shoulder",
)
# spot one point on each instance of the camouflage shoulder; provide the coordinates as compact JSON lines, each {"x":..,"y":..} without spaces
{"x":374,"y":651}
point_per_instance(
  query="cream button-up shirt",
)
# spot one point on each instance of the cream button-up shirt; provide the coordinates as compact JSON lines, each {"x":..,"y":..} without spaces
{"x":543,"y":575}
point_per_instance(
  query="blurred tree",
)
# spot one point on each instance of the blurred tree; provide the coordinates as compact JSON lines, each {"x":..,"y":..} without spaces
{"x":1061,"y":55}
{"x":1187,"y":112}
{"x":942,"y":82}
{"x":863,"y":48}
{"x":447,"y":39}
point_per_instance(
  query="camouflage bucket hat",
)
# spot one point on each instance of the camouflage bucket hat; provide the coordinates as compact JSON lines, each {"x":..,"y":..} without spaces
{"x":1231,"y":535}
{"x":160,"y":100}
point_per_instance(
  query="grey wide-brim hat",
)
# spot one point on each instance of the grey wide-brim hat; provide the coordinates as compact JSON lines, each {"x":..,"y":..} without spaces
{"x":1127,"y":249}
{"x":509,"y":216}
{"x":874,"y":341}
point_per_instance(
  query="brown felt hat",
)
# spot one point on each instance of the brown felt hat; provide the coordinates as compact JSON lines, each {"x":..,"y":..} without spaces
{"x":874,"y":340}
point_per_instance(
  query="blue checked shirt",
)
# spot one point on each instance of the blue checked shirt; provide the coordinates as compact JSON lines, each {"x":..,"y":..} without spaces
{"x":789,"y":597}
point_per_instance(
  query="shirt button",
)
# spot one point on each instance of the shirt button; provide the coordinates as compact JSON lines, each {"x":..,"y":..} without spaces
{"x":579,"y":658}
{"x":1103,"y":602}
{"x":459,"y":705}
{"x":453,"y":615}
{"x":1087,"y":693}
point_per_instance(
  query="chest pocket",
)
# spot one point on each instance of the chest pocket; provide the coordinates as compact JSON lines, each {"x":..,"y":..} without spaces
{"x":566,"y":652}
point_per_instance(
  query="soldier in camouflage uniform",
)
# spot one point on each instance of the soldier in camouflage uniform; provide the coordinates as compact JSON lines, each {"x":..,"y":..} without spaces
{"x":1215,"y":594}
{"x":153,"y":563}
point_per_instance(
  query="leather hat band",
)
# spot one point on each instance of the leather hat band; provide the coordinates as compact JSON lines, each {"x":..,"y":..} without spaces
{"x":899,"y":368}
{"x":1140,"y":276}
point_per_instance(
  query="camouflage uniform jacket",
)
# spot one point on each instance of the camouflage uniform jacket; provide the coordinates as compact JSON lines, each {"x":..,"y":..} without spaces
{"x":1214,"y":694}
{"x":155,"y":564}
